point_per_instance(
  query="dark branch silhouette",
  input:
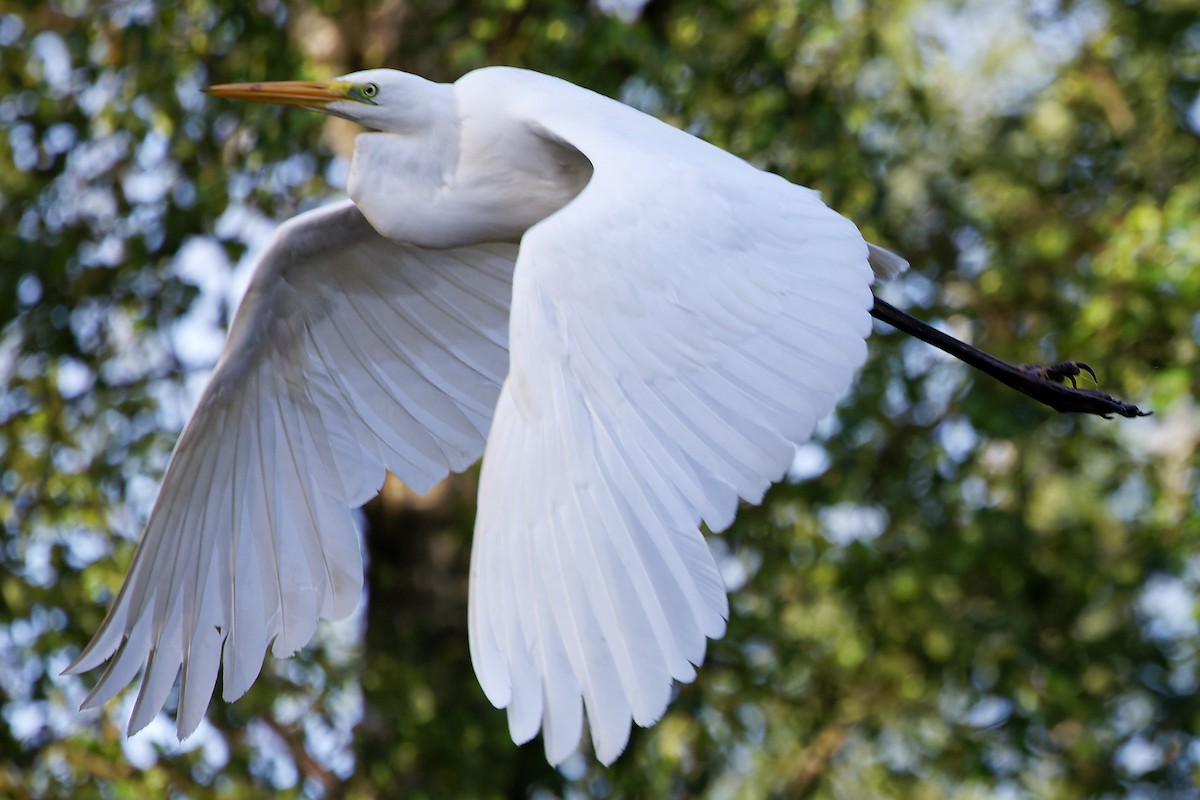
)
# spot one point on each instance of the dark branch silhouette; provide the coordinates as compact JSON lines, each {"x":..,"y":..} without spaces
{"x":1046,"y":384}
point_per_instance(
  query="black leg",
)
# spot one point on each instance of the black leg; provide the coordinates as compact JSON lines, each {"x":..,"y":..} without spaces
{"x":1042,"y":383}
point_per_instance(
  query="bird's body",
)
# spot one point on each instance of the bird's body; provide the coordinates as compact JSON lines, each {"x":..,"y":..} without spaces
{"x":637,"y":325}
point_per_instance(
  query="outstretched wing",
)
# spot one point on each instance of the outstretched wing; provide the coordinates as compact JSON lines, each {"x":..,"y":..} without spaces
{"x":675,"y":329}
{"x":350,"y":354}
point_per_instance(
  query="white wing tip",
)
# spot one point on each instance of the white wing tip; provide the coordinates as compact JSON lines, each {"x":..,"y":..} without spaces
{"x":884,"y":263}
{"x":86,"y":661}
{"x":609,"y":750}
{"x":522,"y":728}
{"x":96,"y":698}
{"x":97,"y":651}
{"x":136,"y":726}
{"x":497,"y":689}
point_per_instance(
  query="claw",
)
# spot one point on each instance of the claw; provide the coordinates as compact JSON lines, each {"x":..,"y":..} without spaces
{"x":1061,"y":372}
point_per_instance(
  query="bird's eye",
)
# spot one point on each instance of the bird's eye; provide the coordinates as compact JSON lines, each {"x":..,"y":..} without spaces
{"x":369,"y":90}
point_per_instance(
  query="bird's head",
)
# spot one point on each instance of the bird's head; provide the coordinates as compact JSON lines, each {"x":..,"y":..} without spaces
{"x":383,"y":99}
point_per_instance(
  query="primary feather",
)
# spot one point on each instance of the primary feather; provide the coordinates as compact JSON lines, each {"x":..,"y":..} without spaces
{"x":251,"y":539}
{"x":656,"y":375}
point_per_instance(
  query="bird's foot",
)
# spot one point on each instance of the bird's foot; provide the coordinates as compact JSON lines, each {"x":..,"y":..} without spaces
{"x":1061,"y":372}
{"x":1074,"y":399}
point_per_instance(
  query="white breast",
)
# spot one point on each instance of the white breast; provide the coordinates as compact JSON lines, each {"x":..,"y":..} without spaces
{"x":494,"y":180}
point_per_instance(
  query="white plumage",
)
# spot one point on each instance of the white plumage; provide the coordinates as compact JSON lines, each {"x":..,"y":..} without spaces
{"x":643,"y":322}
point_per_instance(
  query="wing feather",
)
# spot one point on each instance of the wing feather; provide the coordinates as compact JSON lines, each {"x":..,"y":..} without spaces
{"x":349,"y":355}
{"x":660,"y":581}
{"x":675,"y":329}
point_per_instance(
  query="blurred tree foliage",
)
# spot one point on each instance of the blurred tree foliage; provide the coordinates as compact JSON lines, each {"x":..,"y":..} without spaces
{"x":966,"y":596}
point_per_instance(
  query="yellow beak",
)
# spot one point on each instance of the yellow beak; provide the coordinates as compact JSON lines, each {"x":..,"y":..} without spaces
{"x":307,"y":94}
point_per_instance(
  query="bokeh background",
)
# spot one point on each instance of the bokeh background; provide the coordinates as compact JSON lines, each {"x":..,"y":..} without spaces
{"x":956,"y":594}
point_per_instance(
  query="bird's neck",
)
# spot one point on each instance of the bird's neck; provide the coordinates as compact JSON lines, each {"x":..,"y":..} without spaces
{"x":462,"y":180}
{"x":396,"y":177}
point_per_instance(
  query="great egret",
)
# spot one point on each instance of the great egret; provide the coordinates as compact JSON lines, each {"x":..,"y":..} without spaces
{"x":637,"y":324}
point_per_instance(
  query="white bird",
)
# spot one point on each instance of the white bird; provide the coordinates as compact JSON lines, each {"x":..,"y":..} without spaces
{"x":633,"y":327}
